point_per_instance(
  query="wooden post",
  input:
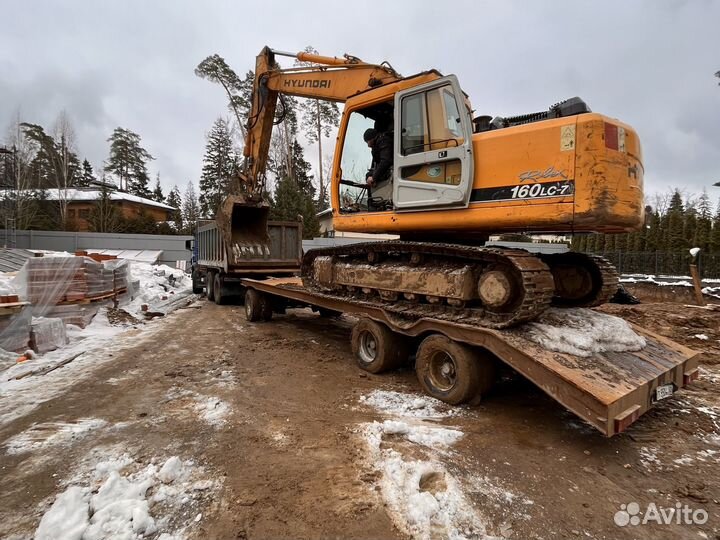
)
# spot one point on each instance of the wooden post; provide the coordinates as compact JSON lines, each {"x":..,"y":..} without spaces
{"x":696,"y":284}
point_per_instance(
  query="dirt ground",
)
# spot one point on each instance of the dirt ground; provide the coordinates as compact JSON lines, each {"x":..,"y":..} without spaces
{"x":290,"y":460}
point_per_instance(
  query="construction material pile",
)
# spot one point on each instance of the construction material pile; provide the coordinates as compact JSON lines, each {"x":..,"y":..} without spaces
{"x":55,"y":291}
{"x":58,"y":280}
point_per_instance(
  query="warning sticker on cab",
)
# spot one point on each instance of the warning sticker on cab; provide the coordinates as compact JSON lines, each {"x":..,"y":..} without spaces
{"x":567,"y":137}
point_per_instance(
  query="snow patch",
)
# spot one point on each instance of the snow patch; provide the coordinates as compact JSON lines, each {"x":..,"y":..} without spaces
{"x":701,"y":337}
{"x":119,"y":498}
{"x":425,"y":435}
{"x":423,"y":499}
{"x":413,"y":405}
{"x":213,"y":410}
{"x":583,"y":332}
{"x":40,"y":436}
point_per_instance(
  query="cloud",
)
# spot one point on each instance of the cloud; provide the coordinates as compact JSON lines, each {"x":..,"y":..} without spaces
{"x":130,"y":64}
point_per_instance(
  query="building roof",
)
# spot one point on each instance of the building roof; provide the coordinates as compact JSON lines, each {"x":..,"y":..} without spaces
{"x":75,"y":195}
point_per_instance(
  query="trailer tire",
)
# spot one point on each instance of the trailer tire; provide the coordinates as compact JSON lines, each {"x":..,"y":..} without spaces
{"x":377,"y":348}
{"x":218,"y":285}
{"x":452,"y":372}
{"x":197,"y":286}
{"x":257,"y":306}
{"x":210,"y":286}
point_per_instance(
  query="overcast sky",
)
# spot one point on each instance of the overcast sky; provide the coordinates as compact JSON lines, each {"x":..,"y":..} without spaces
{"x":130,"y":64}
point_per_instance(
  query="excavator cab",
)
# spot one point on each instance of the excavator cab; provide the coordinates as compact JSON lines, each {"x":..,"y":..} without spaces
{"x":431,"y":129}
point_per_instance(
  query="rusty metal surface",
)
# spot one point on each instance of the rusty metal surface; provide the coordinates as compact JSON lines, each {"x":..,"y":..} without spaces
{"x":597,"y":388}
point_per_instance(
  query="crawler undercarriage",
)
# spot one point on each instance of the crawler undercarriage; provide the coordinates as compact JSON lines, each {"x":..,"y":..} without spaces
{"x":491,"y":287}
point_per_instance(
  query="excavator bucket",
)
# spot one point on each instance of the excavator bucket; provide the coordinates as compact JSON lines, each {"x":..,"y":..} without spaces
{"x":244,"y":223}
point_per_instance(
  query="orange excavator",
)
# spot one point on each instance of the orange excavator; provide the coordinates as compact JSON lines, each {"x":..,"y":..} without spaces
{"x":454,"y":180}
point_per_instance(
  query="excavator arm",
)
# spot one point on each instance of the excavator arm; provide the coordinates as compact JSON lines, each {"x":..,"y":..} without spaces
{"x":324,"y":77}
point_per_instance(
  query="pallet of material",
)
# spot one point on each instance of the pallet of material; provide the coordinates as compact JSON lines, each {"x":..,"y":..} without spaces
{"x":59,"y":280}
{"x":77,"y":314}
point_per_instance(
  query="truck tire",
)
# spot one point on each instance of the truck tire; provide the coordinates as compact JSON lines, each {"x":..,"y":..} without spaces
{"x":376,"y":347}
{"x":257,"y":306}
{"x":219,"y":291}
{"x":197,"y":286}
{"x":452,"y":372}
{"x":210,"y":285}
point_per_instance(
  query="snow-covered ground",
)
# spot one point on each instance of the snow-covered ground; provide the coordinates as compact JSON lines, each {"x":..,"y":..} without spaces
{"x":93,"y":345}
{"x":115,"y":496}
{"x":423,"y":494}
{"x":712,"y":287}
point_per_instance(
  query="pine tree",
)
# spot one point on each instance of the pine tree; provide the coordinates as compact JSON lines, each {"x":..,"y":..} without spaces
{"x":174,"y":199}
{"x":190,"y":209}
{"x":128,"y":162}
{"x":219,"y":165}
{"x":704,"y":223}
{"x":239,"y":91}
{"x":715,"y":232}
{"x":674,"y":239}
{"x":290,"y":203}
{"x":87,"y":176}
{"x":157,"y":194}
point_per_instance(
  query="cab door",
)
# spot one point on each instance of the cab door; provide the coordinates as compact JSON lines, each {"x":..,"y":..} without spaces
{"x":433,"y":147}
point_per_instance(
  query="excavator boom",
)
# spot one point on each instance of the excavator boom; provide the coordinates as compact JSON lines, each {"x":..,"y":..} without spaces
{"x":324,"y":77}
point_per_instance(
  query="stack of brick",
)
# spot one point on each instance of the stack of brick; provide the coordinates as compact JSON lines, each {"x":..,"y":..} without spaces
{"x":56,"y":280}
{"x":77,"y":314}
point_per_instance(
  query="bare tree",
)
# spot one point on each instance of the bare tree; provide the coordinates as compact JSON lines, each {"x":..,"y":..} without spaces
{"x":65,"y":141}
{"x":21,"y":198}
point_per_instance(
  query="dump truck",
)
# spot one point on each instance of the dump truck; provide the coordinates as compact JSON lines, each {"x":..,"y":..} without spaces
{"x":242,"y":242}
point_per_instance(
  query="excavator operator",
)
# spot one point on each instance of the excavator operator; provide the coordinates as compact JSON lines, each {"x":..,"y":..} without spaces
{"x":379,"y":177}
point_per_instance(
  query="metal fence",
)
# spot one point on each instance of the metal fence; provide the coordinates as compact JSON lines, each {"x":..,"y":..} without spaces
{"x":173,"y":247}
{"x":663,"y":264}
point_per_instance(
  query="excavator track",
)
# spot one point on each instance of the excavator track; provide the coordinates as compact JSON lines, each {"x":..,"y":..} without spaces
{"x":581,"y":280}
{"x":517,"y":285}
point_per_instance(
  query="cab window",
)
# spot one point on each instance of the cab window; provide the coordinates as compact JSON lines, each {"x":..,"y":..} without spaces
{"x":430,"y":120}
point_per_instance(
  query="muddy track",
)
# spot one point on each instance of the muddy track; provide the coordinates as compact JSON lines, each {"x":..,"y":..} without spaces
{"x":534,"y":282}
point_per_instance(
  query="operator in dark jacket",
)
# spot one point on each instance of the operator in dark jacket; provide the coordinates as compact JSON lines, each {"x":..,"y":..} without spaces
{"x":382,"y":157}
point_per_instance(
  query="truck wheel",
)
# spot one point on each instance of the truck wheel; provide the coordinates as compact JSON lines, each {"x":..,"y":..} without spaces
{"x":197,"y":286}
{"x":257,"y":306}
{"x":376,"y":347}
{"x":210,"y":286}
{"x":218,"y":286}
{"x":452,"y":372}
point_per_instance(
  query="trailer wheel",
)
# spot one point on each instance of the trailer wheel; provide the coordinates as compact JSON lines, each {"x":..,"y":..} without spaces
{"x":210,"y":286}
{"x":452,"y":372}
{"x":376,"y":347}
{"x":257,"y":306}
{"x":218,"y":286}
{"x":197,"y":286}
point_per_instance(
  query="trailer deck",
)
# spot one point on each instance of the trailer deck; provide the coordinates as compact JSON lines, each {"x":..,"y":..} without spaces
{"x":608,"y":390}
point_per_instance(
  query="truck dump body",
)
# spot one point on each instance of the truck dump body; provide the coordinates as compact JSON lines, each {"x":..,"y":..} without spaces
{"x":608,"y":390}
{"x":240,"y":252}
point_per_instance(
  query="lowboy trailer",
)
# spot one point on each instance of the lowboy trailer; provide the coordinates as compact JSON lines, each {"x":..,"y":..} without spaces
{"x":456,"y":362}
